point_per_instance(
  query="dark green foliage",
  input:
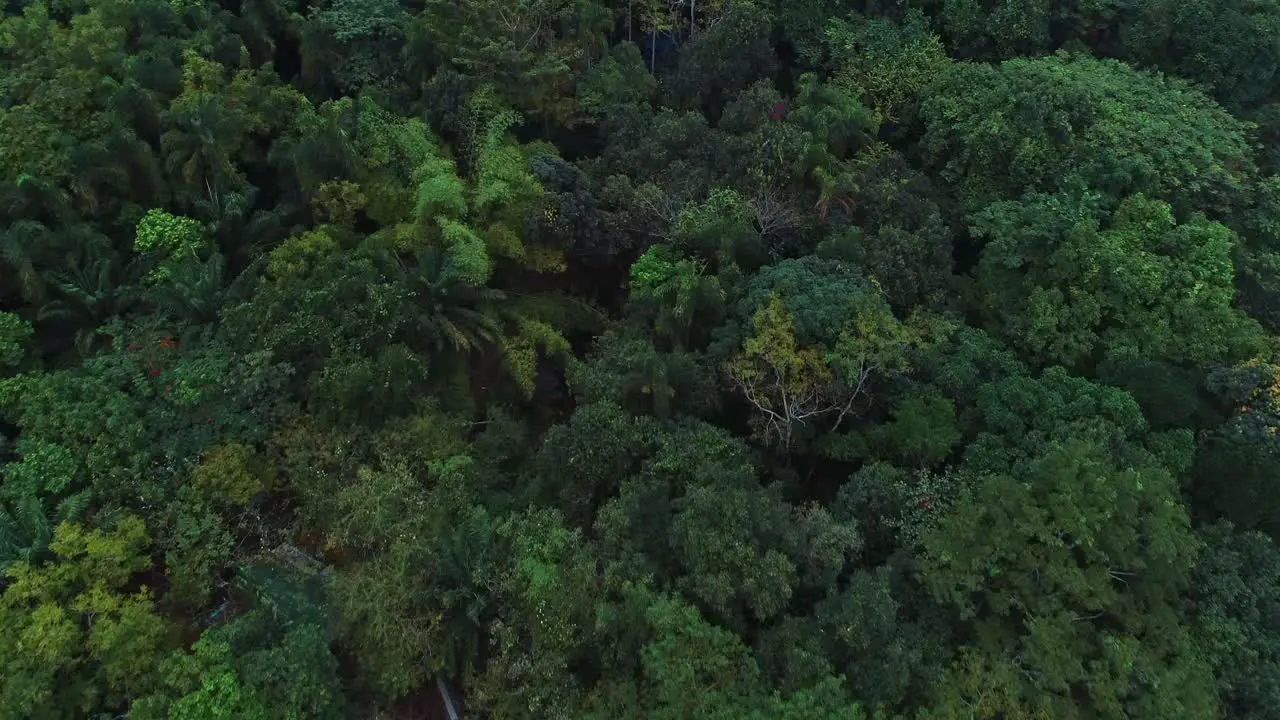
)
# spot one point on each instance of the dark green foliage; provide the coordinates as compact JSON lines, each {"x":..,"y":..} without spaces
{"x":1235,"y":595}
{"x":729,"y":359}
{"x":1232,"y":47}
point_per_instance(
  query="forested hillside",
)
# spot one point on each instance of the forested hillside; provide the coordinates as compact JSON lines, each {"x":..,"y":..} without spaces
{"x":604,"y":359}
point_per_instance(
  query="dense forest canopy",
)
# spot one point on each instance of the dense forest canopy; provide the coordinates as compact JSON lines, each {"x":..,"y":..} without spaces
{"x":651,"y":359}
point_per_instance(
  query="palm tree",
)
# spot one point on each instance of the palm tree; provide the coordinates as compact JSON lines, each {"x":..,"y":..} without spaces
{"x":93,"y":291}
{"x":198,"y":151}
{"x":37,"y":230}
{"x":117,"y":167}
{"x":451,"y":313}
{"x":19,"y":244}
{"x":193,"y":290}
{"x":241,"y":229}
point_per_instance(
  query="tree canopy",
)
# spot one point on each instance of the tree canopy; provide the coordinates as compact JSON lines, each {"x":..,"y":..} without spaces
{"x":724,"y":359}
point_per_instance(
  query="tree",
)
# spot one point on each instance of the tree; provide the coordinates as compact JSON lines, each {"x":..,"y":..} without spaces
{"x":1065,"y":288}
{"x":603,"y":446}
{"x":1235,"y":467}
{"x":76,"y":641}
{"x":896,"y":233}
{"x":1067,"y":571}
{"x":691,"y":668}
{"x":890,"y":66}
{"x":547,"y":598}
{"x":818,"y":337}
{"x":676,"y":295}
{"x":531,"y":52}
{"x":1232,"y":600}
{"x":786,"y":385}
{"x":1230,"y":47}
{"x":722,"y":60}
{"x":369,"y":36}
{"x":271,"y":659}
{"x":995,"y":132}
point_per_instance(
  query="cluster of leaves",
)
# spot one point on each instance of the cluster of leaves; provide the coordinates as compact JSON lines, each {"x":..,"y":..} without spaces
{"x":713,"y":358}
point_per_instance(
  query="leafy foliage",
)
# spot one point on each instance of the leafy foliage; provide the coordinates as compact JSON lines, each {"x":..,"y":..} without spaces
{"x":653,"y":359}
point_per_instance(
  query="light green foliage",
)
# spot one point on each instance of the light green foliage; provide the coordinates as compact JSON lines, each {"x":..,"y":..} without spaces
{"x":400,"y":163}
{"x":230,"y":474}
{"x":299,"y":254}
{"x":1065,"y":286}
{"x":40,"y":491}
{"x":722,"y":228}
{"x":170,"y":238}
{"x":73,"y":639}
{"x":1047,"y":124}
{"x":271,"y":659}
{"x":465,"y":258}
{"x":521,"y":351}
{"x":677,"y":293}
{"x":548,"y":593}
{"x":173,"y":236}
{"x":505,"y":191}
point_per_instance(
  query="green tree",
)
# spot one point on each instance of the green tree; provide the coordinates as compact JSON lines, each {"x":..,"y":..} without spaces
{"x":532,"y":52}
{"x":1230,"y":47}
{"x":995,"y":132}
{"x":1235,"y":469}
{"x":269,"y":660}
{"x":1233,"y":597}
{"x":76,"y":639}
{"x":1068,"y":570}
{"x":819,"y":338}
{"x":1065,"y":286}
